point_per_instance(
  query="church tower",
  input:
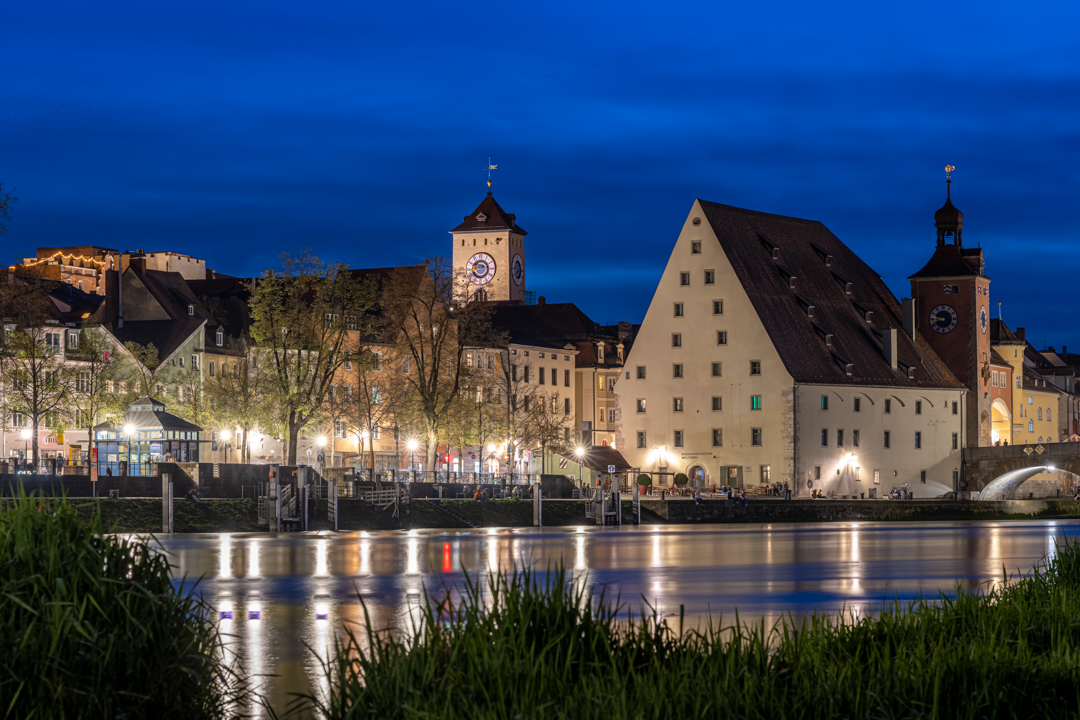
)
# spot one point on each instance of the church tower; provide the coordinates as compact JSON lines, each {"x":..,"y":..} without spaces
{"x":951,"y":299}
{"x":489,"y":249}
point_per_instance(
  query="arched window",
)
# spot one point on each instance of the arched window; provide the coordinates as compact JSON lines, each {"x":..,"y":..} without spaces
{"x":1048,"y":413}
{"x":1031,"y":426}
{"x":1039,"y":412}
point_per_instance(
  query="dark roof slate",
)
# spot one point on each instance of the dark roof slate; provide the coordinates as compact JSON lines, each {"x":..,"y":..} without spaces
{"x":495,"y":218}
{"x":1000,"y":334}
{"x":951,"y":261}
{"x":804,"y":247}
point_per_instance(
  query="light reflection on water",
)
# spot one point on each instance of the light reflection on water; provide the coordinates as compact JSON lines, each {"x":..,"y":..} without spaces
{"x":305,"y":587}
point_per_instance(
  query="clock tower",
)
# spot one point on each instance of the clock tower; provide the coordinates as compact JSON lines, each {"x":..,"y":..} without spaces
{"x":951,"y":301}
{"x":489,"y":251}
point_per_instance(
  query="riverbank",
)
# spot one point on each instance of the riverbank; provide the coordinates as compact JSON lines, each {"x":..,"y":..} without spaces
{"x":226,"y":515}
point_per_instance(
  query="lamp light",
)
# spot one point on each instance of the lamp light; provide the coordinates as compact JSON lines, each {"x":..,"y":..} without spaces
{"x":321,"y":441}
{"x":129,"y":429}
{"x":26,"y":434}
{"x":225,"y":435}
{"x":412,"y":445}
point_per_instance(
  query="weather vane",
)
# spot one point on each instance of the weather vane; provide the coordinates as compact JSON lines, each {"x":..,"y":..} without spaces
{"x":490,"y":167}
{"x":948,"y":171}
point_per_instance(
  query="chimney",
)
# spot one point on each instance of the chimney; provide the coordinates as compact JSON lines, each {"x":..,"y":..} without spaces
{"x":541,"y":300}
{"x":1020,"y":334}
{"x":889,"y":346}
{"x":907,"y":317}
{"x":1064,"y":351}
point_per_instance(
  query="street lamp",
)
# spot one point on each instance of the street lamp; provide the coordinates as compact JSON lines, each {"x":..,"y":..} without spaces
{"x":129,"y":430}
{"x":321,"y":442}
{"x":225,"y":436}
{"x":581,"y":480}
{"x":412,"y":445}
{"x":26,"y":440}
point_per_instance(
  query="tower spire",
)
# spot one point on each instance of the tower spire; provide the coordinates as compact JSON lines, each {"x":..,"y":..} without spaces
{"x":490,"y":167}
{"x":949,"y":220}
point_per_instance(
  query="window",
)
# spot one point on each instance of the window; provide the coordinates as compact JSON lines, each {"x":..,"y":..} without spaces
{"x":677,"y":404}
{"x":72,"y":340}
{"x":717,"y":437}
{"x":676,"y":370}
{"x":717,"y":369}
{"x":1017,"y":382}
{"x":888,"y":406}
{"x":717,"y":307}
{"x":755,"y":367}
{"x":541,"y":355}
{"x":817,"y":472}
{"x":527,"y":368}
{"x":211,"y":368}
{"x":855,"y":438}
{"x":1040,"y":414}
{"x":918,"y":440}
{"x":219,"y":338}
{"x":566,"y":380}
{"x":857,"y":406}
{"x":695,"y":247}
{"x":839,"y":438}
{"x":824,"y":402}
{"x":641,"y":439}
{"x":922,"y":476}
{"x":541,"y":375}
{"x":190,"y":309}
{"x":710,"y":277}
{"x":755,"y":437}
{"x":824,"y":437}
{"x":918,"y":407}
{"x":956,"y":441}
{"x":339,"y":428}
{"x":887,"y":444}
{"x":717,"y":404}
{"x":678,"y":309}
{"x":18,"y":420}
{"x":641,"y":405}
{"x":721,"y":337}
{"x":954,"y":408}
{"x":755,"y":402}
{"x":599,"y":382}
{"x":610,"y":414}
{"x":566,"y":409}
{"x":1031,"y":426}
{"x":676,"y":339}
{"x":1030,"y":401}
{"x":1048,"y":414}
{"x":376,"y":395}
{"x":678,"y":438}
{"x":640,"y":372}
{"x":610,"y":382}
{"x":194,"y":362}
{"x":684,"y":278}
{"x":994,"y":378}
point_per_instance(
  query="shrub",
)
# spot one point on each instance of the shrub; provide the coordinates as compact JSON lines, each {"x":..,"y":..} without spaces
{"x":681,"y":479}
{"x":93,"y":626}
{"x":644,"y":479}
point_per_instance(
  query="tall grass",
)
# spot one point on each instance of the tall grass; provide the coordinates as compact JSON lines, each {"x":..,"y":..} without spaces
{"x":534,"y":646}
{"x":92,"y":627}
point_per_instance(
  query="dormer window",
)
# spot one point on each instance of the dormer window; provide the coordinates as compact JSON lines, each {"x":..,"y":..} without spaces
{"x":220,"y":338}
{"x":481,"y":218}
{"x":190,"y":309}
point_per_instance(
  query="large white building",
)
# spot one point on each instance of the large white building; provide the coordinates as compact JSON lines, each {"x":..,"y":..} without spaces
{"x":771,"y":352}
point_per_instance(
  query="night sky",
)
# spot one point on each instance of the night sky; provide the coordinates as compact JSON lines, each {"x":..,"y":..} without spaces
{"x":236,"y":131}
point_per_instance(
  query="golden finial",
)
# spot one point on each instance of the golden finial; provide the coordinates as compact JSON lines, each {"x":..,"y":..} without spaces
{"x":489,"y":168}
{"x":948,"y":171}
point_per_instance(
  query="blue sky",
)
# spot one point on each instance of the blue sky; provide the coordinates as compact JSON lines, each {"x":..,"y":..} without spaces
{"x":235,"y":131}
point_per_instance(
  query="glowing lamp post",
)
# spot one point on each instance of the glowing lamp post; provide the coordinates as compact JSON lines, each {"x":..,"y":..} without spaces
{"x":129,"y":430}
{"x":580,"y":452}
{"x":225,"y":436}
{"x":412,"y":445}
{"x":26,"y":441}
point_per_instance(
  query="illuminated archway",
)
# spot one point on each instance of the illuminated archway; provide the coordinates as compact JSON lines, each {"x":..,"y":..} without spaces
{"x":1000,"y":422}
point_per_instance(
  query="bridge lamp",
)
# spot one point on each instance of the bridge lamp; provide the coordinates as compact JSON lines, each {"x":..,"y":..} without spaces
{"x":1050,"y":468}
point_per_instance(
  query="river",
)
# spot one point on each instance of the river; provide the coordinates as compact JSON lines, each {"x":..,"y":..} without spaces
{"x":290,"y":593}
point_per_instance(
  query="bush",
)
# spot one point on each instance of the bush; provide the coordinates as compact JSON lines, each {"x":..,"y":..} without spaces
{"x":533,"y":646}
{"x":644,"y":479}
{"x":92,"y":625}
{"x":681,"y":479}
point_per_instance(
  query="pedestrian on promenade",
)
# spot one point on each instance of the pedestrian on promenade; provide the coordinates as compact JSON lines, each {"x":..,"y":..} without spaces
{"x":697,"y":497}
{"x":787,"y":492}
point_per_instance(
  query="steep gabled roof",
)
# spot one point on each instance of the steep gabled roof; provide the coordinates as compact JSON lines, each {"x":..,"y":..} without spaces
{"x":1000,"y":334}
{"x":951,"y":261}
{"x":489,"y":216}
{"x":560,"y":322}
{"x":823,"y":269}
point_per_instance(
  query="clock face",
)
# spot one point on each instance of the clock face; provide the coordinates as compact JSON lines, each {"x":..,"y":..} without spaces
{"x":943,"y":318}
{"x":982,"y":318}
{"x":481,"y":268}
{"x":517,"y":270}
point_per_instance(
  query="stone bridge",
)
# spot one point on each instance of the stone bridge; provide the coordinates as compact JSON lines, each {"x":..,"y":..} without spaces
{"x":998,"y":472}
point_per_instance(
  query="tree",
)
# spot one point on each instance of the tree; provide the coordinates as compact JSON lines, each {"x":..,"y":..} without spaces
{"x":432,"y":320}
{"x":6,"y":201}
{"x":40,"y":385}
{"x":236,"y":398}
{"x":301,"y":317}
{"x":547,"y":424}
{"x":95,"y":373}
{"x":373,"y":385}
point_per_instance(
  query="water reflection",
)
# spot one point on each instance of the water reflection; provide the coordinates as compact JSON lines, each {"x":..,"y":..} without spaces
{"x":280,"y":592}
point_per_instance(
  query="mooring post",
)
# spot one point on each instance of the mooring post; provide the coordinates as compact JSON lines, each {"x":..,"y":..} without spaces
{"x":275,"y":485}
{"x":538,"y":520}
{"x":166,"y":503}
{"x":302,"y":486}
{"x":637,"y":503}
{"x":618,"y":502}
{"x":334,"y":498}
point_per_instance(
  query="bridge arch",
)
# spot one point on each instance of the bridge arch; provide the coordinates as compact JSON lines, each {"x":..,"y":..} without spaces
{"x":998,"y":472}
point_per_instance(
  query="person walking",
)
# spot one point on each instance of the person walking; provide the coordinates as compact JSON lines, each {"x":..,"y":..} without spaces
{"x":787,"y":491}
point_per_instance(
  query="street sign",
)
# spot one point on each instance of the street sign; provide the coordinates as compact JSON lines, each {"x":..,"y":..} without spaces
{"x":611,"y":468}
{"x":319,"y":458}
{"x":562,"y":463}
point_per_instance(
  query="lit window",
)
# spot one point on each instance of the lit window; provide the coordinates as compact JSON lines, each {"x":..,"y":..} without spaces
{"x":717,"y":437}
{"x":755,"y":402}
{"x":677,"y":404}
{"x":918,"y":440}
{"x":219,"y":338}
{"x":824,"y":402}
{"x":641,"y":405}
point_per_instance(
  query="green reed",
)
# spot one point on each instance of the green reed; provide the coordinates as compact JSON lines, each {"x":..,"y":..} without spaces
{"x":92,"y":626}
{"x":535,"y":645}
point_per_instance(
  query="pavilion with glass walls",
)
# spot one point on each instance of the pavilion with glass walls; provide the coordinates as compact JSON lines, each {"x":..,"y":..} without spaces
{"x":147,"y":435}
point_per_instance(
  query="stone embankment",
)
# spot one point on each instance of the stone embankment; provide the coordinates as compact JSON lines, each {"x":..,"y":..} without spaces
{"x":144,"y":515}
